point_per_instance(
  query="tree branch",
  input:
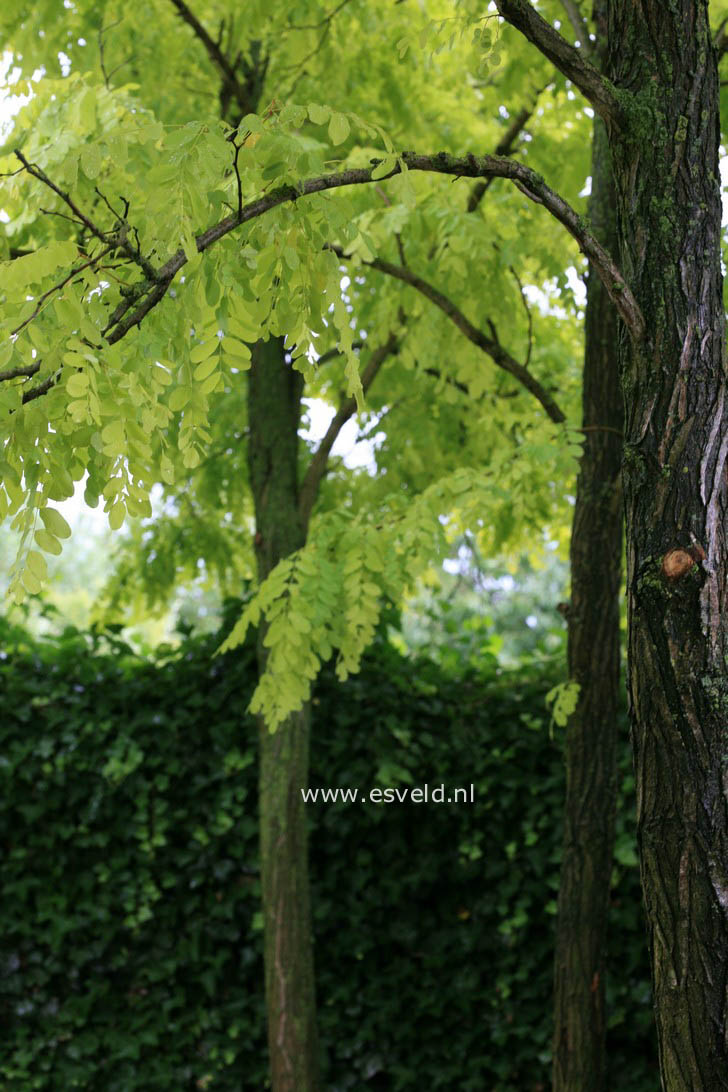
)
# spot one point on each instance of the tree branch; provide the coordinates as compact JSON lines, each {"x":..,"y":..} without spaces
{"x":529,"y":316}
{"x":138,"y":300}
{"x":317,"y":466}
{"x":326,"y":19}
{"x":720,"y":39}
{"x":41,"y":389}
{"x":489,"y":345}
{"x":115,"y":240}
{"x":25,"y":371}
{"x":81,"y":217}
{"x":331,"y":354}
{"x":90,"y":264}
{"x":579,"y":25}
{"x":245,"y":91}
{"x":530,"y":183}
{"x":214,"y":52}
{"x":504,"y":147}
{"x":567,"y":58}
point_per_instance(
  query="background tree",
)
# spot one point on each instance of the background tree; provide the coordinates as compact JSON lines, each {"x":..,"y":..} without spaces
{"x":580,"y":1013}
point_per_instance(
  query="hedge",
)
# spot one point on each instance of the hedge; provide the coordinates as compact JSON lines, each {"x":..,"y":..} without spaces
{"x":130,"y":925}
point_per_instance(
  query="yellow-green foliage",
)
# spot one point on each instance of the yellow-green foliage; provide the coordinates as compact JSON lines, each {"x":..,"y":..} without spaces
{"x":130,"y":158}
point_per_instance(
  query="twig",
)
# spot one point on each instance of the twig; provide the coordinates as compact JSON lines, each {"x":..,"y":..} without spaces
{"x":57,"y":288}
{"x":119,"y":215}
{"x":529,"y":316}
{"x":331,"y":354}
{"x":62,"y":215}
{"x":114,"y":239}
{"x":300,"y":65}
{"x":317,"y":466}
{"x":321,"y":22}
{"x":400,"y":248}
{"x":102,"y":59}
{"x":505,"y":146}
{"x":31,"y":168}
{"x":437,"y":374}
{"x":238,"y":180}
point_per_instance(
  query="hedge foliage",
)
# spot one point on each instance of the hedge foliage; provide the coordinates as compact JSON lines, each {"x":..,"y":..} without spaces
{"x":130,"y":931}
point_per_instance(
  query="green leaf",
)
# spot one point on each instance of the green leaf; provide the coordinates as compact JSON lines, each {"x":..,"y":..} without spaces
{"x":236,"y":349}
{"x":91,"y":159}
{"x":319,"y":115}
{"x":384,"y":168}
{"x":291,"y":258}
{"x":207,"y":367}
{"x":114,"y":434}
{"x":117,"y":512}
{"x":201,"y":352}
{"x":241,"y":325}
{"x":252,"y":123}
{"x":47,"y":542}
{"x":208,"y":385}
{"x":37,"y":564}
{"x":77,"y":384}
{"x":338,"y":128}
{"x":55,"y":523}
{"x":179,"y":398}
{"x":31,"y":582}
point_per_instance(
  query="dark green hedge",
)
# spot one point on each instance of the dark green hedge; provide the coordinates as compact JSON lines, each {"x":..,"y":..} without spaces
{"x":130,"y":955}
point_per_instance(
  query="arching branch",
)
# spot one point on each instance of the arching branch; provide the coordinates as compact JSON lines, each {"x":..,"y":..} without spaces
{"x":529,"y":182}
{"x":489,"y":345}
{"x":142,"y":297}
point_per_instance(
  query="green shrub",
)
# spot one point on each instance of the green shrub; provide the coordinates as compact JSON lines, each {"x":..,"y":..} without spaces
{"x":130,"y":954}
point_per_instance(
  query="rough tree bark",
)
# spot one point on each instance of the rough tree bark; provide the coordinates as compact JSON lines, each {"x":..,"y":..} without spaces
{"x":274,"y":409}
{"x":579,"y":1060}
{"x":668,"y":186}
{"x":661,"y":108}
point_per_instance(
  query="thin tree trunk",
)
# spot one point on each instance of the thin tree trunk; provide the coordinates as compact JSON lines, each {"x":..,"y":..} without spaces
{"x":579,"y":1060}
{"x":274,"y":403}
{"x":668,"y":189}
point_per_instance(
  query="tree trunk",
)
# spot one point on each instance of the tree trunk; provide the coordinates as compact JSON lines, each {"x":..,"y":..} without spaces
{"x":668,"y":192}
{"x":274,"y":403}
{"x":594,"y":643}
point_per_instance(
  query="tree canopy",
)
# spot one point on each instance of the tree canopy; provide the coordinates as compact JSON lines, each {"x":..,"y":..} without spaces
{"x":150,"y":241}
